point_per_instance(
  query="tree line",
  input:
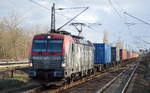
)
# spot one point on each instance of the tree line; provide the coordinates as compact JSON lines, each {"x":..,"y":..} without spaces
{"x":15,"y":41}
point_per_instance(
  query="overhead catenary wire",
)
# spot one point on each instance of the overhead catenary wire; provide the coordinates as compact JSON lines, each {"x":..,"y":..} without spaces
{"x":145,"y":42}
{"x":90,"y":28}
{"x":137,"y":18}
{"x":87,"y":25}
{"x":39,"y":4}
{"x":130,"y":24}
{"x":72,"y":19}
{"x":85,"y":8}
{"x":70,"y":8}
{"x":133,"y":23}
{"x":117,"y":12}
{"x":60,"y":13}
{"x":56,"y":8}
{"x":127,"y":23}
{"x":121,"y":9}
{"x":48,"y":8}
{"x":110,"y":2}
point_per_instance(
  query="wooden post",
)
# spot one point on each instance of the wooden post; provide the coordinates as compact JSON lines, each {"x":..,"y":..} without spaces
{"x":12,"y":73}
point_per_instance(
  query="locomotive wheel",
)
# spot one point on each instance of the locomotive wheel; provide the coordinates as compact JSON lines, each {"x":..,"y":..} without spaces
{"x":66,"y":81}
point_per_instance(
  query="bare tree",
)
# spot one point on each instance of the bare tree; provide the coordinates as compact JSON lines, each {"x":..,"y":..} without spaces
{"x":13,"y":41}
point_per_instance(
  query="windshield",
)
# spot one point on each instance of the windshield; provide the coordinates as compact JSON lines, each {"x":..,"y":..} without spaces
{"x":39,"y":45}
{"x":51,"y":45}
{"x":54,"y":46}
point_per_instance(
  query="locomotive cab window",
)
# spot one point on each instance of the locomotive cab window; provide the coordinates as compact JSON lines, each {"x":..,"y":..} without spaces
{"x":39,"y":45}
{"x":51,"y":45}
{"x":55,"y":45}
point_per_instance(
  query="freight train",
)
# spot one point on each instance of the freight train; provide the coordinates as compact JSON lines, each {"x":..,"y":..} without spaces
{"x":59,"y":56}
{"x":62,"y":56}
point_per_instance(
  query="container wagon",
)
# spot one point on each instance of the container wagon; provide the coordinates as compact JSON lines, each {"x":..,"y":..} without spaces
{"x":115,"y":54}
{"x":123,"y":54}
{"x":135,"y":55}
{"x":129,"y":54}
{"x":102,"y":55}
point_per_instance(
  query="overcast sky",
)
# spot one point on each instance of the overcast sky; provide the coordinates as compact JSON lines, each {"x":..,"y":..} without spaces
{"x":107,"y":12}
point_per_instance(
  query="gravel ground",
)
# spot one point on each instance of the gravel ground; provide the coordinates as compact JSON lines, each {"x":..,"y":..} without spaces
{"x":118,"y":84}
{"x":142,"y":80}
{"x":93,"y":85}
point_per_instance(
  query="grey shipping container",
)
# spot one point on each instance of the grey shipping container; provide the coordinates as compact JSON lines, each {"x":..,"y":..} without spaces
{"x":102,"y":53}
{"x":115,"y":54}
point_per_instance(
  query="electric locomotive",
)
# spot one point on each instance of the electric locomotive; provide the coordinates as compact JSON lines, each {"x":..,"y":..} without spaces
{"x":58,"y":56}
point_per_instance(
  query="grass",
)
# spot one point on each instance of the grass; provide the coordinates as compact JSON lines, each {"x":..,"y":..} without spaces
{"x":19,"y":80}
{"x":10,"y":83}
{"x":147,"y":72}
{"x":142,"y":82}
{"x":21,"y":77}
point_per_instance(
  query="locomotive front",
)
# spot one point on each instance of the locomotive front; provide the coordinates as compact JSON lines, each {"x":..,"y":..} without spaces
{"x":47,"y":57}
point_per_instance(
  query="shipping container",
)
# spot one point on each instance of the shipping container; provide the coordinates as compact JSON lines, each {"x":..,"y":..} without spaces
{"x":102,"y":53}
{"x":137,"y":55}
{"x":129,"y":54}
{"x":115,"y":54}
{"x":134,"y":55}
{"x":123,"y":54}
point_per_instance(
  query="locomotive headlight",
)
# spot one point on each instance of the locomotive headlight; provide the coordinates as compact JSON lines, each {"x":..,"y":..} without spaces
{"x":48,"y":37}
{"x":63,"y":65}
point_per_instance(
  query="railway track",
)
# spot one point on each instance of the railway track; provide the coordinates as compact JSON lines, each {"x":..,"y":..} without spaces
{"x":91,"y":84}
{"x":102,"y":82}
{"x":62,"y":89}
{"x":120,"y":83}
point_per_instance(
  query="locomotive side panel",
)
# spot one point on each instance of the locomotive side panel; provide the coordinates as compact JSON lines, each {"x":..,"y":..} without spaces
{"x":79,"y":59}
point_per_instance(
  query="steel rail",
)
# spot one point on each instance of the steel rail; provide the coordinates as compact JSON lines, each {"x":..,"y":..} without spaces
{"x":109,"y":83}
{"x":129,"y":80}
{"x":114,"y":79}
